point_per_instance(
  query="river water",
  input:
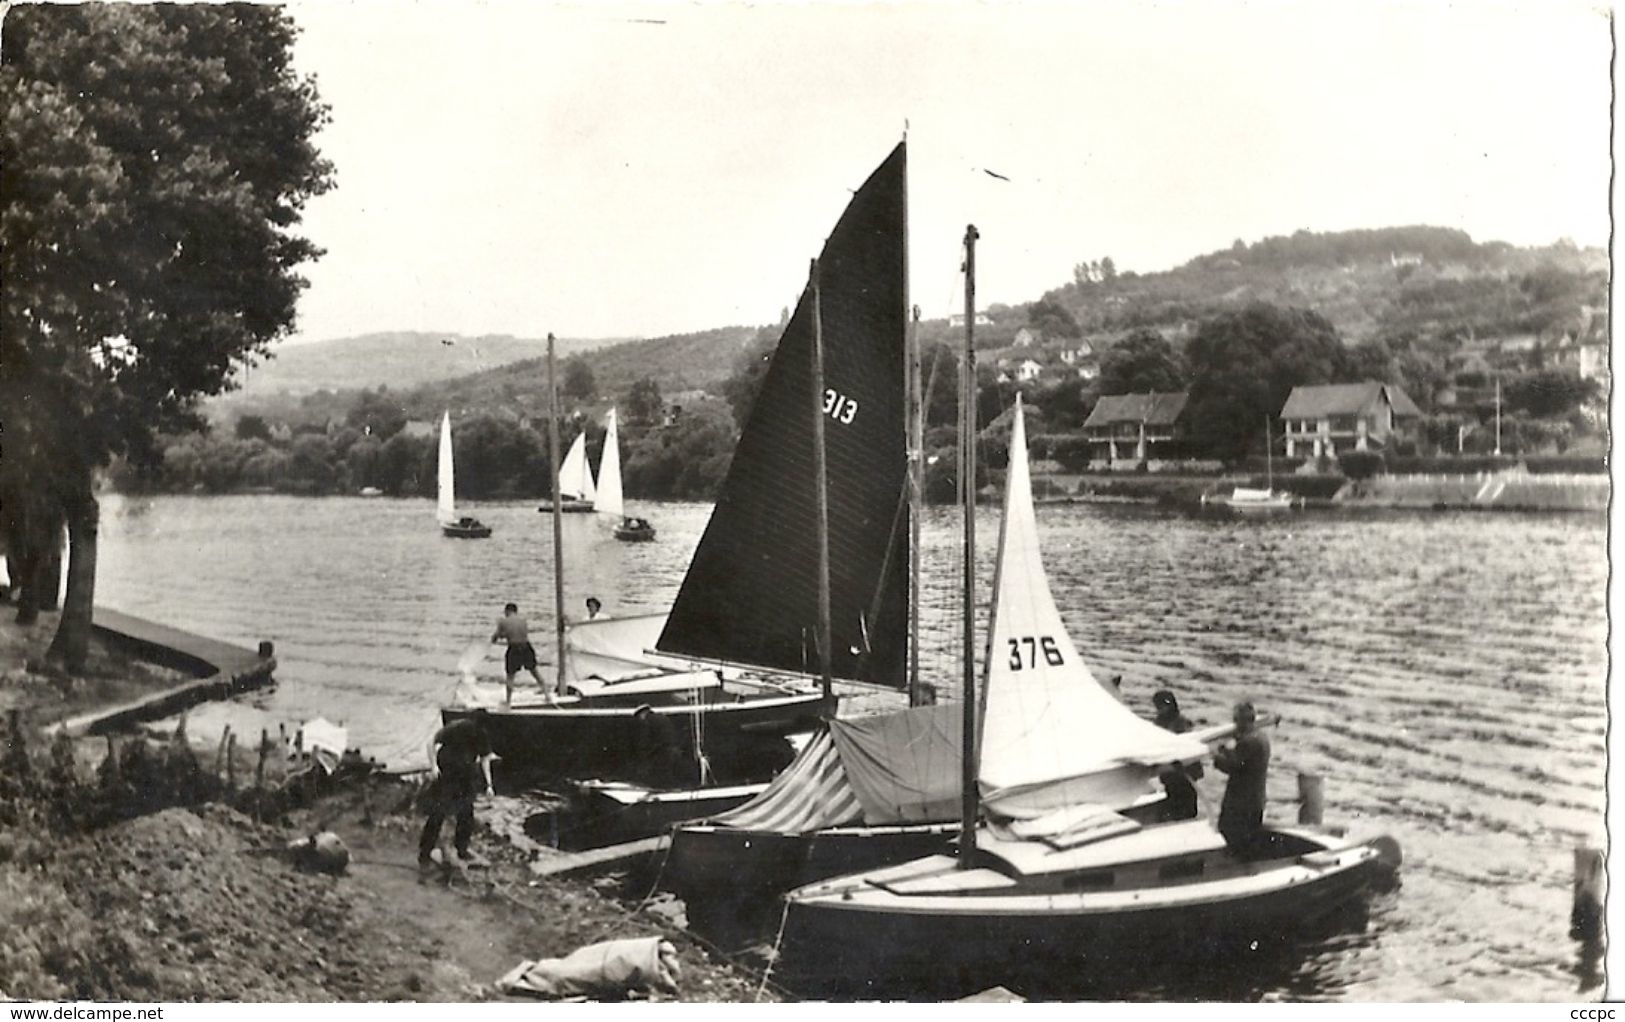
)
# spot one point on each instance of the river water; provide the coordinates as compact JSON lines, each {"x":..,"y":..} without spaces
{"x":1446,"y":673}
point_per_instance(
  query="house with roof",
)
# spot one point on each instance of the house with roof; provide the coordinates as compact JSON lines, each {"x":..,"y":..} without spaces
{"x":1130,"y":427}
{"x":1083,"y":351}
{"x":1026,"y":337}
{"x":1332,"y":418}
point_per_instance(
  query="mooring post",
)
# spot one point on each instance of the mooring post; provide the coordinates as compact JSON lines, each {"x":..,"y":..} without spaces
{"x":220,"y":753}
{"x":1311,"y":799}
{"x":259,"y":774}
{"x":1590,"y":883}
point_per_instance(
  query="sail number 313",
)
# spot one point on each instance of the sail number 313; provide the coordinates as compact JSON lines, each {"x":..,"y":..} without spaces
{"x":839,"y":407}
{"x":1024,"y":652}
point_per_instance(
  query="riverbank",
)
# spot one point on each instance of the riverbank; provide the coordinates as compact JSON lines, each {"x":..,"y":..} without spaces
{"x":193,"y":899}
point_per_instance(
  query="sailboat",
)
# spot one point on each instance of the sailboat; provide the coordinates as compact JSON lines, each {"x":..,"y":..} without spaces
{"x":738,"y":657}
{"x":609,"y":501}
{"x":446,"y":487}
{"x":1053,"y":880}
{"x":1245,"y":498}
{"x":866,"y":793}
{"x":576,"y":488}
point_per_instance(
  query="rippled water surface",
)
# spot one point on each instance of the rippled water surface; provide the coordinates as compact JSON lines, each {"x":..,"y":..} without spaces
{"x":1444,"y":672}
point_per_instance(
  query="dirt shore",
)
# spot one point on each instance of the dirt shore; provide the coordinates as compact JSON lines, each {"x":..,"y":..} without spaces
{"x":203,"y":903}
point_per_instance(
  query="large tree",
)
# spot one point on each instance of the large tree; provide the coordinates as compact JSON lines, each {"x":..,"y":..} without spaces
{"x":1245,"y":363}
{"x":1142,"y":361}
{"x":154,"y":163}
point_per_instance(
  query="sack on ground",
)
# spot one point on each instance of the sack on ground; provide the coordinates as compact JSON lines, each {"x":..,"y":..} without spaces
{"x":609,"y":969}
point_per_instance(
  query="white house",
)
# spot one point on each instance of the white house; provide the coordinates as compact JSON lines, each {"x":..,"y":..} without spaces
{"x":1026,"y":337}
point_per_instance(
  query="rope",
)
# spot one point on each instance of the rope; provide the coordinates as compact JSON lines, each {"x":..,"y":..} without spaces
{"x":773,"y":955}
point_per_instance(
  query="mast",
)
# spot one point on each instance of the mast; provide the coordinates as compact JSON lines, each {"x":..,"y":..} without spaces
{"x":916,"y":492}
{"x":558,"y":533}
{"x":821,"y":482}
{"x":916,"y":457}
{"x":967,"y":476}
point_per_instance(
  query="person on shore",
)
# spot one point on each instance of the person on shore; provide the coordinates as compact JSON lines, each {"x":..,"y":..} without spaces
{"x":1177,"y":778}
{"x":1247,"y":761}
{"x":460,"y":762}
{"x":521,"y":655}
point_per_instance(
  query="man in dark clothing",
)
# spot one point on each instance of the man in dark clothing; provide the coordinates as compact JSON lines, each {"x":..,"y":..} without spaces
{"x":461,"y":756}
{"x":1241,"y":815}
{"x":1176,"y":780}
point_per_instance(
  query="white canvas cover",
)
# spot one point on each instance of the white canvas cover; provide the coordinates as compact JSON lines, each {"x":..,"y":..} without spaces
{"x":575,"y":476}
{"x":609,"y":501}
{"x":1052,"y":735}
{"x":446,"y":510}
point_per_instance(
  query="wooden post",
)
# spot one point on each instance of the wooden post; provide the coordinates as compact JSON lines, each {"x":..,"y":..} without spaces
{"x":231,"y":761}
{"x":1590,"y":885}
{"x":259,"y":774}
{"x":220,"y":753}
{"x":1311,"y":799}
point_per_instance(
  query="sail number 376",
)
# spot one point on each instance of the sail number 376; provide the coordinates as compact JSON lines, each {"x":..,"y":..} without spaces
{"x":839,"y":407}
{"x":1025,"y":650}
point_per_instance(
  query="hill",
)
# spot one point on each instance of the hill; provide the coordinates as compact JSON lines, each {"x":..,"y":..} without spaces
{"x":678,"y":363}
{"x":399,"y":360}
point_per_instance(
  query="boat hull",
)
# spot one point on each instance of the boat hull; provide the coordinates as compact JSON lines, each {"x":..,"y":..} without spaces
{"x":731,"y":879}
{"x":861,"y":941}
{"x":635,"y":535}
{"x":568,"y":507}
{"x":466,"y":531}
{"x":615,"y":813}
{"x":595,"y":737}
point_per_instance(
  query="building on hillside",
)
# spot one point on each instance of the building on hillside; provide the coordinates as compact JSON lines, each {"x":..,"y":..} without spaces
{"x":1026,"y":337}
{"x":1404,"y":259}
{"x":1594,"y":361}
{"x":1337,"y":417}
{"x":1073,"y":354}
{"x":418,"y":428}
{"x":957,"y":319}
{"x":1088,"y":371}
{"x":1130,"y":427}
{"x":1026,"y":371}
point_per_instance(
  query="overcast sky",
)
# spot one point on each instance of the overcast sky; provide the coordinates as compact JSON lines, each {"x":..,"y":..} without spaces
{"x":642,"y":169}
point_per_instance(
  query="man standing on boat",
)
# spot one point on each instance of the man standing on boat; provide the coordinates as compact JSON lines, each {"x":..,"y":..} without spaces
{"x":521,"y":654}
{"x":1176,"y":780}
{"x":1241,"y":815}
{"x":460,"y":759}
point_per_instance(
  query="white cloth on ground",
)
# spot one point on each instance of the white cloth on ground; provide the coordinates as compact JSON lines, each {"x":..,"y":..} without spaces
{"x":610,"y":968}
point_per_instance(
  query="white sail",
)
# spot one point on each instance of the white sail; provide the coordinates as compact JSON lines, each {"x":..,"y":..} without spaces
{"x":1052,"y":735}
{"x":575,"y":476}
{"x":609,"y":501}
{"x":446,"y":510}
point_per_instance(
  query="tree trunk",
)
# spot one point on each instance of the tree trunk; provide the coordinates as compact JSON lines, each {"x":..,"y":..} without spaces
{"x":28,"y":570}
{"x":72,"y":643}
{"x":50,"y":572}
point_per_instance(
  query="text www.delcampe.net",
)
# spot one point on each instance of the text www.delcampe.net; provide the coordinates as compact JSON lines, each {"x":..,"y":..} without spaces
{"x":68,"y":1013}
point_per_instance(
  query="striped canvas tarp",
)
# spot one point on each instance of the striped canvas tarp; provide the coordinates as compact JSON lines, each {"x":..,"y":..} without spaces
{"x":812,"y":793}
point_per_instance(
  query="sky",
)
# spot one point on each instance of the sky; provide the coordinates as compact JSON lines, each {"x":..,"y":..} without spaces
{"x":621,"y":169}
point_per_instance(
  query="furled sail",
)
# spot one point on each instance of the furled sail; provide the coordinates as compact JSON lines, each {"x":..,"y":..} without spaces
{"x":1052,"y":735}
{"x":575,"y":475}
{"x":446,"y":484}
{"x":751,"y":592}
{"x":608,"y":500}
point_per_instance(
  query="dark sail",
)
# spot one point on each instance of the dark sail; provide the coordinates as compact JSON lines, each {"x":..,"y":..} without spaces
{"x":751,"y":593}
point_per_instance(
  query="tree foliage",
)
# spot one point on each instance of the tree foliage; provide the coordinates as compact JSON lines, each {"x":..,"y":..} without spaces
{"x":154,"y":162}
{"x":1244,"y":364}
{"x":578,"y":380}
{"x":1052,"y":319}
{"x":1143,"y":361}
{"x":643,"y":404}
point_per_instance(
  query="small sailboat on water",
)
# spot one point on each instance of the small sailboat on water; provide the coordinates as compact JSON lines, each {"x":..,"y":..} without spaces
{"x":577,"y":491}
{"x":451,"y":524}
{"x":1053,"y":880}
{"x":1251,"y":498}
{"x":609,"y":502}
